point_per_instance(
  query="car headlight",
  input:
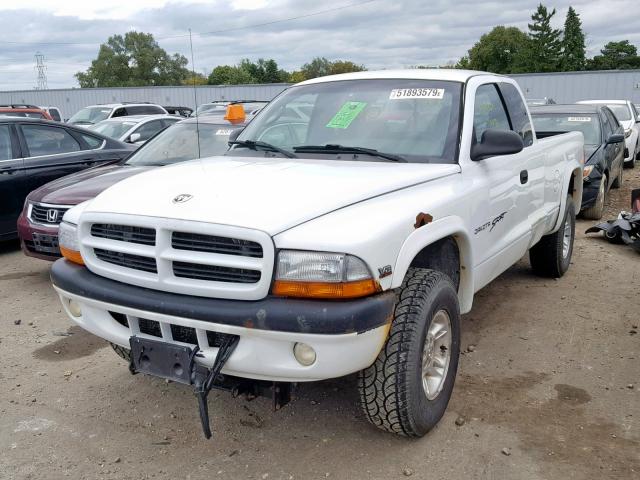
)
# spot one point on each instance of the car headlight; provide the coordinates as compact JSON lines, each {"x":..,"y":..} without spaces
{"x":322,"y":275}
{"x":69,"y":243}
{"x":627,"y":133}
{"x":586,"y":171}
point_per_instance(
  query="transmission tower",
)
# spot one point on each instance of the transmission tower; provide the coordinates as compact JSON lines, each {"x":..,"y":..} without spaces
{"x":41,"y":69}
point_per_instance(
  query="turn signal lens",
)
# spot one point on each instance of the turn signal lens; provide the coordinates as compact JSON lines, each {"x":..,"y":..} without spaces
{"x":361,"y":288}
{"x":587,"y":171}
{"x":69,"y":244}
{"x":72,"y":255}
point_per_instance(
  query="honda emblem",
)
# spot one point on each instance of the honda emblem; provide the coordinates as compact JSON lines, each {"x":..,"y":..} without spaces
{"x":52,"y":215}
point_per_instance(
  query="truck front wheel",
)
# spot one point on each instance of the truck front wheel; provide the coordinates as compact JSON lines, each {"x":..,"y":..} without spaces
{"x":551,"y":256}
{"x":407,"y":389}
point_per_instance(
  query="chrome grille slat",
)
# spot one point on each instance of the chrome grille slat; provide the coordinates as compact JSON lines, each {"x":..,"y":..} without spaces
{"x":214,"y":244}
{"x":124,"y":233}
{"x":40,"y":214}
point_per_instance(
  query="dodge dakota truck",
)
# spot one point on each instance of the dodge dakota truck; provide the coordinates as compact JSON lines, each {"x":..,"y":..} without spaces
{"x":345,"y":231}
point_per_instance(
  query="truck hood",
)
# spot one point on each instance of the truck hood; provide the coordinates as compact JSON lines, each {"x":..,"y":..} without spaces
{"x":84,"y":185}
{"x":268,"y":194}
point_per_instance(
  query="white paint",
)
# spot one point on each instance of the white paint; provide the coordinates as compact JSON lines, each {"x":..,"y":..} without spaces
{"x":34,"y":425}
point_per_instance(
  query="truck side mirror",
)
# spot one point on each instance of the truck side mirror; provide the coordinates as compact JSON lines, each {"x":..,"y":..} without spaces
{"x":615,"y":138}
{"x":496,"y":142}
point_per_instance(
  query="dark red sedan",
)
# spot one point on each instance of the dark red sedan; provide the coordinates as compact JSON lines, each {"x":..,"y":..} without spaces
{"x":45,"y":207}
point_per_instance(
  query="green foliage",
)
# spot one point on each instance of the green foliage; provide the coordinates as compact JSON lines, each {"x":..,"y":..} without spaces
{"x":502,"y":50}
{"x":133,"y":60}
{"x":573,"y":47}
{"x":320,"y":67}
{"x":545,"y":46}
{"x":616,"y":55}
{"x":262,"y":71}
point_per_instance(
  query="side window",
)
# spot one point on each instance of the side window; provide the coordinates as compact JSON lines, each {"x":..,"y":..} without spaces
{"x":489,"y":111}
{"x":6,"y":152}
{"x":520,"y":122}
{"x":169,"y":121}
{"x":55,"y":114}
{"x":148,"y":130}
{"x":93,"y":142}
{"x":613,"y":121}
{"x":46,"y":140}
{"x":607,"y":128}
{"x":120,"y":112}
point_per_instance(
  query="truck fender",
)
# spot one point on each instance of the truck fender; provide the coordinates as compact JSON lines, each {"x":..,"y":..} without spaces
{"x":428,"y":234}
{"x":573,"y":178}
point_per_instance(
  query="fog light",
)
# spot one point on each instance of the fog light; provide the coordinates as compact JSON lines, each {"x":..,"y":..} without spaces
{"x":74,"y":308}
{"x":305,"y":355}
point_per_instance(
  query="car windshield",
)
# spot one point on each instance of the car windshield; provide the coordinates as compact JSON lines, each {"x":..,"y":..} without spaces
{"x":621,"y":112}
{"x":114,"y":128}
{"x":587,"y":123}
{"x":211,"y":108}
{"x":179,"y":143}
{"x":91,"y":115}
{"x":417,"y":120}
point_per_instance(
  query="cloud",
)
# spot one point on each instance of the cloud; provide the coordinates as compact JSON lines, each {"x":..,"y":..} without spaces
{"x":378,"y":34}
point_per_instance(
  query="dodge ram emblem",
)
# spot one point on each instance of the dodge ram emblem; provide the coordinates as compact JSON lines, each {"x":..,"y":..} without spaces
{"x":183,"y":197}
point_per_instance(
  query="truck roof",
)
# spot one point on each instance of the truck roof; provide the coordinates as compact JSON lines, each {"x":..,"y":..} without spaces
{"x":450,"y":74}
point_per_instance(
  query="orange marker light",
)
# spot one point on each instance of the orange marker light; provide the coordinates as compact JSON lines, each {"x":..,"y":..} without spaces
{"x":235,"y":114}
{"x":72,"y":255}
{"x":360,"y":288}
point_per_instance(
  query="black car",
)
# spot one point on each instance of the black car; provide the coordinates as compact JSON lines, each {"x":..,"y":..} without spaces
{"x":603,"y":147}
{"x":34,"y":152}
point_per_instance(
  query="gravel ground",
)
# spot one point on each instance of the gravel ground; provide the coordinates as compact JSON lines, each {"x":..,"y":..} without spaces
{"x":548,"y":387}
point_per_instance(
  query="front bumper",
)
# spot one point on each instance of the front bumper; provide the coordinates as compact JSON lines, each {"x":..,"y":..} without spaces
{"x":346,"y":335}
{"x":38,"y":241}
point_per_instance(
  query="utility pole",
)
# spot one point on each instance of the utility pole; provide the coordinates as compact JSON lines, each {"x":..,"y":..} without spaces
{"x":41,"y":68}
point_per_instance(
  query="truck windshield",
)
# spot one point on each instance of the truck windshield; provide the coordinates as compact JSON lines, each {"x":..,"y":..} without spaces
{"x":417,"y":120}
{"x":587,"y":123}
{"x":179,"y":143}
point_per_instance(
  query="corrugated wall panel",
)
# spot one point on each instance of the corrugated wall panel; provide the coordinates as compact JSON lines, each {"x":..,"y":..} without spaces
{"x":73,"y":99}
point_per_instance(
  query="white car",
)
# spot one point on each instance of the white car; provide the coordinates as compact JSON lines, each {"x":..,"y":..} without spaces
{"x":54,"y":113}
{"x":628,"y":116}
{"x":347,"y":241}
{"x":135,"y":129}
{"x":96,"y":113}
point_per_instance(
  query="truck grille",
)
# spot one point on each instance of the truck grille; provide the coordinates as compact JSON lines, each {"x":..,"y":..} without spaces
{"x":124,"y":233}
{"x":178,"y":256}
{"x":215,"y":273}
{"x":209,"y":243}
{"x":136,"y":262}
{"x":47,"y":214}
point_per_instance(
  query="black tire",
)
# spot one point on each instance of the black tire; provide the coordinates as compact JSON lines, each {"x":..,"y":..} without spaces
{"x":617,"y":182}
{"x":595,"y":211}
{"x":547,"y":257}
{"x":122,"y":352}
{"x":391,"y":390}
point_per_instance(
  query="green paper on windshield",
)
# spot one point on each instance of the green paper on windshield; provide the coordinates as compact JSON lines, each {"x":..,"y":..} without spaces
{"x":347,"y":114}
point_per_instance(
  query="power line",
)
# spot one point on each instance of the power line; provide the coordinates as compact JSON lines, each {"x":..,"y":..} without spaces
{"x":204,"y":34}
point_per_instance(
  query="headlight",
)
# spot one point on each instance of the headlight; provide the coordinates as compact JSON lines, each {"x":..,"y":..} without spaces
{"x":627,"y":133}
{"x":322,"y":275}
{"x":69,"y":244}
{"x":587,"y":171}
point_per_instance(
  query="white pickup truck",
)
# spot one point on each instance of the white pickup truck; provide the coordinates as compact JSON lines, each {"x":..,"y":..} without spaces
{"x":345,"y":231}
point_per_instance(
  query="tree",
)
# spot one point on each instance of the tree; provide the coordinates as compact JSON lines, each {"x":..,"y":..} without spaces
{"x":545,"y":45}
{"x":616,"y":55}
{"x":262,"y":71}
{"x":133,"y":60}
{"x":195,"y":79}
{"x":345,"y":66}
{"x":502,"y":50}
{"x":320,"y":67}
{"x":573,"y":47}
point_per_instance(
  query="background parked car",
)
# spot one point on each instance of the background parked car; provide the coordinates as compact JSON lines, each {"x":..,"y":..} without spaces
{"x":175,"y":144}
{"x":251,"y":107}
{"x":182,"y":111}
{"x":628,"y":116}
{"x":34,"y":152}
{"x":54,"y":113}
{"x":603,"y":147}
{"x":532,"y":102}
{"x":135,"y":129}
{"x":96,"y":113}
{"x":30,"y":111}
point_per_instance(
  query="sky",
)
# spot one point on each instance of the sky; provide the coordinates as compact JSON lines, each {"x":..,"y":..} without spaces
{"x":377,"y":33}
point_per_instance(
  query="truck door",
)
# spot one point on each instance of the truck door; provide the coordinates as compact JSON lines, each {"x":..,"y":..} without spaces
{"x":12,"y":181}
{"x":501,"y":226}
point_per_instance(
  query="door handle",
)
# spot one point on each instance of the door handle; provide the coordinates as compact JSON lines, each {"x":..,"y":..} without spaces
{"x":6,"y":171}
{"x":524,"y":177}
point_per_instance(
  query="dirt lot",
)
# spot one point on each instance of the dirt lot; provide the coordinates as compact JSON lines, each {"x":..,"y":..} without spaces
{"x":550,"y":389}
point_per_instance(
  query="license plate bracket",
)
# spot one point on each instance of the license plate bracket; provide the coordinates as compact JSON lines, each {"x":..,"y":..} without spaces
{"x":161,"y":359}
{"x":45,"y":243}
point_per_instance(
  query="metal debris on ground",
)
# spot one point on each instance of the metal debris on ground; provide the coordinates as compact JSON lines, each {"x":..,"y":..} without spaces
{"x":626,"y":228}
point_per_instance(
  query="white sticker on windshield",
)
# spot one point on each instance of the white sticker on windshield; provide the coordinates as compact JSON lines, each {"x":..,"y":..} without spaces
{"x":402,"y":93}
{"x":224,"y":131}
{"x":579,"y":119}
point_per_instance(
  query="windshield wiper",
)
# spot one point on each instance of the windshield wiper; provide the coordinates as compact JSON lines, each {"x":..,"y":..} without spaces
{"x":255,"y":145}
{"x":332,"y":148}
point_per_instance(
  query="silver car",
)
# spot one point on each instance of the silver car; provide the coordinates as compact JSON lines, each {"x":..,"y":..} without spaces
{"x":135,"y":129}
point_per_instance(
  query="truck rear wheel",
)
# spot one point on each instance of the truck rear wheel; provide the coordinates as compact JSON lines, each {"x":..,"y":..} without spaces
{"x":551,"y":256}
{"x":407,"y":389}
{"x":122,"y":352}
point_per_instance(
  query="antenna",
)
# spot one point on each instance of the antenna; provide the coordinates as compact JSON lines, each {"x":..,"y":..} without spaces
{"x":41,"y":68}
{"x":195,"y":91}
